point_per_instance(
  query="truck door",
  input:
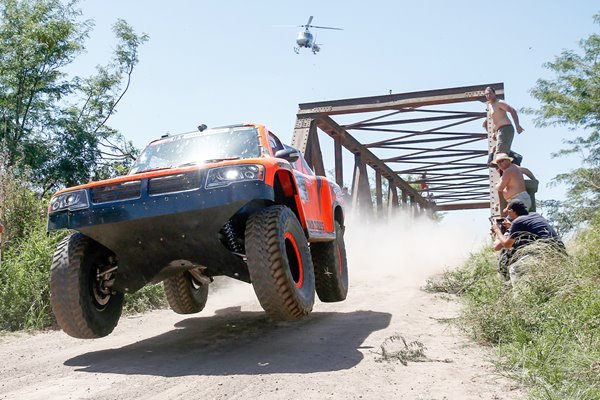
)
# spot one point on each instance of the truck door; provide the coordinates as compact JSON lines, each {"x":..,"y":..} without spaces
{"x":309,"y":187}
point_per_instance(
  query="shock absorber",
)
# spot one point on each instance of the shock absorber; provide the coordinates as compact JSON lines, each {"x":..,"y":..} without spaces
{"x":230,"y":238}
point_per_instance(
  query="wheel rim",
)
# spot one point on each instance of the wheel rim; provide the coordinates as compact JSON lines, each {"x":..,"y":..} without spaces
{"x":195,"y":285}
{"x":101,"y":293}
{"x":294,"y":259}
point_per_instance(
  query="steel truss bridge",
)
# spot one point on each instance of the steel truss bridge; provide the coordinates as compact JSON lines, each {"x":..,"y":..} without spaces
{"x":427,"y":150}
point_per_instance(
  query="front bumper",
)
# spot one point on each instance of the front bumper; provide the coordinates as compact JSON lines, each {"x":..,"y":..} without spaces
{"x":153,"y":232}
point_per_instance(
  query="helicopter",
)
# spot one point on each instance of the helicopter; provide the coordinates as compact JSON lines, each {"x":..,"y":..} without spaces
{"x":307,"y":40}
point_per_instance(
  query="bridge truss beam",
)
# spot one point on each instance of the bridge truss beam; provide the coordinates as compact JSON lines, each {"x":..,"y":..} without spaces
{"x":435,"y":156}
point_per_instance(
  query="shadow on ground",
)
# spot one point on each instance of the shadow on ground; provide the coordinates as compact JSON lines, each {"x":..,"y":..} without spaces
{"x":236,"y":342}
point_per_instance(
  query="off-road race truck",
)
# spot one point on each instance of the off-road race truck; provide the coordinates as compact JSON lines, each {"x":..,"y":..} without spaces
{"x":230,"y":201}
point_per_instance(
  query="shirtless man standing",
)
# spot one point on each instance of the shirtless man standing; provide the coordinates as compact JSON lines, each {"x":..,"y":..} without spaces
{"x":512,"y":183}
{"x":502,"y":129}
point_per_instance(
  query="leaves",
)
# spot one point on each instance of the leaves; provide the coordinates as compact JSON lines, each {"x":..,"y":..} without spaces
{"x":51,"y":123}
{"x":572,"y":99}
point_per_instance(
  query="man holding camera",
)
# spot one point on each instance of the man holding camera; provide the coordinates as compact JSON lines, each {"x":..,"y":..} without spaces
{"x":523,"y":229}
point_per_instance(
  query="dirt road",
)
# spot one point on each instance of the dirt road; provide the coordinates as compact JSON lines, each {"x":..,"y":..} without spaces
{"x":232,"y":351}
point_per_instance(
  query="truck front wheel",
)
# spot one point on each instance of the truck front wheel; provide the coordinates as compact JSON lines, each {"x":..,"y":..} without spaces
{"x":81,"y":276}
{"x":280,"y":264}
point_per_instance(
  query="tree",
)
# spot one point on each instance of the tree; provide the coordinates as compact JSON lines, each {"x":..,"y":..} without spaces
{"x":51,"y":123}
{"x":572,"y":99}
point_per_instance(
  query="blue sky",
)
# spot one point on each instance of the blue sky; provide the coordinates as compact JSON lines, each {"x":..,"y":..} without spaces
{"x":224,"y":62}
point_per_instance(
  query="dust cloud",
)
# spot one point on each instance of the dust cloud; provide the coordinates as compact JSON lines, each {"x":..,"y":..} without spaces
{"x":411,"y":249}
{"x":404,"y":249}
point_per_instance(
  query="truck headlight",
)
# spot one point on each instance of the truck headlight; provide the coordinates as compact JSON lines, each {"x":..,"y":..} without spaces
{"x":75,"y":200}
{"x":224,"y":176}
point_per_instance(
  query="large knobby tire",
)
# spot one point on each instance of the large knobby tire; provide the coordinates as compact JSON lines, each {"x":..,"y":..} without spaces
{"x":279,"y":263}
{"x":81,"y":303}
{"x":185,"y":294}
{"x":331,"y":267}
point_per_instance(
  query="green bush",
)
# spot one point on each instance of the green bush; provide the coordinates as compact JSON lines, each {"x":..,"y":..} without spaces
{"x":24,"y":283}
{"x":148,"y":298}
{"x":547,"y":330}
{"x":26,"y":260}
{"x":24,"y":275}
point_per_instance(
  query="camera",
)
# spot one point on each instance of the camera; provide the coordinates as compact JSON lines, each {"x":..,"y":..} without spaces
{"x":499,"y":223}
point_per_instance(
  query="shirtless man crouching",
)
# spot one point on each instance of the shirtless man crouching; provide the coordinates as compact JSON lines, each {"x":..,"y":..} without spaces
{"x":512,"y":183}
{"x":502,"y":129}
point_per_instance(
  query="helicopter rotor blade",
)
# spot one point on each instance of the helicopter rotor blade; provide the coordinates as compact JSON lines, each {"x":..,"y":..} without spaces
{"x":309,"y":20}
{"x":326,"y":27}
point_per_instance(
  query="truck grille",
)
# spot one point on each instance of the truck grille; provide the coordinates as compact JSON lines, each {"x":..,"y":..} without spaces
{"x":116,"y":192}
{"x":175,"y":183}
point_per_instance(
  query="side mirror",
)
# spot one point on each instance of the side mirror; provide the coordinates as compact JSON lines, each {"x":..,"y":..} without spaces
{"x":290,"y":155}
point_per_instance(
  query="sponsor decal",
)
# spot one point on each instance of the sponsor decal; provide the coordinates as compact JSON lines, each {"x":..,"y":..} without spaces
{"x":319,"y":195}
{"x":315,"y":225}
{"x":301,"y":187}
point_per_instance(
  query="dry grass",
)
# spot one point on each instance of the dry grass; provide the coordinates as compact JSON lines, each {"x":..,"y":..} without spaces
{"x":546,"y":330}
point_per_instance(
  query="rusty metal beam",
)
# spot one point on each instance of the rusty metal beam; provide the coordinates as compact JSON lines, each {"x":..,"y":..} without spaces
{"x":401,"y":100}
{"x":302,"y":133}
{"x":411,"y":157}
{"x":418,"y":120}
{"x":394,"y":195}
{"x":378,"y":192}
{"x":386,"y":144}
{"x":339,"y":167}
{"x":464,"y":206}
{"x":441,"y":178}
{"x":314,"y":157}
{"x":405,"y":110}
{"x":329,"y":126}
{"x":362,"y":187}
{"x":432,"y":167}
{"x":432,"y":130}
{"x":392,"y":200}
{"x":459,"y":187}
{"x":453,"y":161}
{"x":462,"y":196}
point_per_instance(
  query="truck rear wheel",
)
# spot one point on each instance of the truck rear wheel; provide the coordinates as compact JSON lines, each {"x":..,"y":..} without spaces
{"x":83,"y":303}
{"x":331,"y":267}
{"x":185,"y":294}
{"x":280,"y":264}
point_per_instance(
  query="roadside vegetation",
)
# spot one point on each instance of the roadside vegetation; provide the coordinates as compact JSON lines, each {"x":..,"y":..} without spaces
{"x":547,"y":331}
{"x":54,"y":133}
{"x":26,"y":260}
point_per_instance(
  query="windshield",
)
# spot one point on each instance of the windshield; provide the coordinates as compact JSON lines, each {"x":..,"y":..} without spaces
{"x":199,"y":147}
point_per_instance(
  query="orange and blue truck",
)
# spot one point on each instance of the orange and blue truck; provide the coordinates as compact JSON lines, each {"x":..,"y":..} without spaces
{"x":228,"y":201}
